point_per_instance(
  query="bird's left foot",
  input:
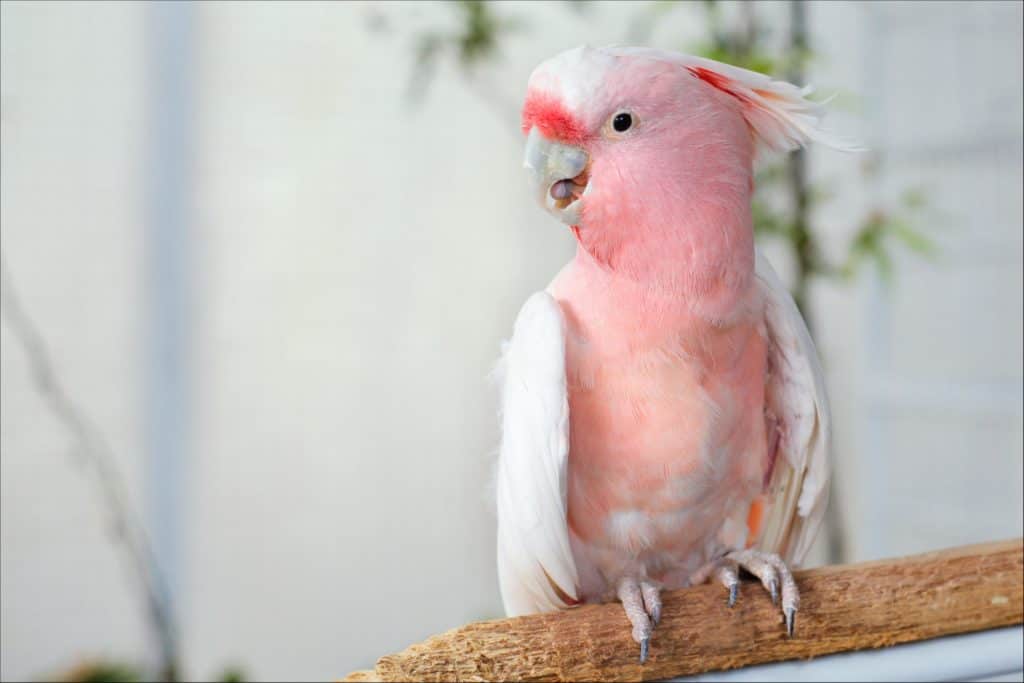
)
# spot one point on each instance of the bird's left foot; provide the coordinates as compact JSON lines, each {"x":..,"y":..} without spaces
{"x":773,"y":573}
{"x":641,"y":601}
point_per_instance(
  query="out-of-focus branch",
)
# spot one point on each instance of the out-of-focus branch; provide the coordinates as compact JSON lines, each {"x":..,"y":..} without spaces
{"x":90,"y":445}
{"x":804,"y":240}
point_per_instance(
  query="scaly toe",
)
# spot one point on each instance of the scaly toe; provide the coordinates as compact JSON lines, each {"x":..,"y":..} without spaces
{"x":777,"y":579}
{"x":651,"y":595}
{"x":633,"y":603}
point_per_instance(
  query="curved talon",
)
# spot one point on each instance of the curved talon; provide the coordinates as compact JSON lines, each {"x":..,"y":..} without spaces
{"x":726,"y":574}
{"x":631,"y":594}
{"x":776,"y":578}
{"x":656,"y":614}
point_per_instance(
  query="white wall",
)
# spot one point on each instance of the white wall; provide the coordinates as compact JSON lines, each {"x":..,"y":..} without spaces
{"x":72,"y":115}
{"x":927,"y":370}
{"x":358,"y":261}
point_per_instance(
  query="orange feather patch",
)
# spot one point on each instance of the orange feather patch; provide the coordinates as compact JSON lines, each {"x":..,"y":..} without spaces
{"x":754,"y":520}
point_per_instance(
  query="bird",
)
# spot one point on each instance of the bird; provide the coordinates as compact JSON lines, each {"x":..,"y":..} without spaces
{"x":664,"y":416}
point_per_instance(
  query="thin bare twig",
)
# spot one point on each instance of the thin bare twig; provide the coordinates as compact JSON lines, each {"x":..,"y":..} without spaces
{"x":93,"y":448}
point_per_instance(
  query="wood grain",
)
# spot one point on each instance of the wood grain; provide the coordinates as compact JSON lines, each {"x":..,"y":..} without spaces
{"x":842,"y":608}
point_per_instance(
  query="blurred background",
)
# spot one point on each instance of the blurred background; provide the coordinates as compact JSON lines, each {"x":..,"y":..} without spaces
{"x":258,"y":259}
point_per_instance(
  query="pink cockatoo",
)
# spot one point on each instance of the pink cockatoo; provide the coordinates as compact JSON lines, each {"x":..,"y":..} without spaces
{"x":664,"y":416}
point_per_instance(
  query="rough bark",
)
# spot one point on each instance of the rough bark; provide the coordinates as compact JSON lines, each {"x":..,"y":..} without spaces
{"x":842,"y":608}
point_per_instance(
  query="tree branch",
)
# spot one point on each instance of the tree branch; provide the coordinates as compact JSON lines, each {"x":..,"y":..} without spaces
{"x":842,"y":608}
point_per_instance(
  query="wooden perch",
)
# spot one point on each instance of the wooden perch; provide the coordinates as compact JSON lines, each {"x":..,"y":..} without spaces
{"x":842,"y":608}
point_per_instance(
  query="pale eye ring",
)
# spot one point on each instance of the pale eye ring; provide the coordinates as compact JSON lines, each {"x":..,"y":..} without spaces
{"x":620,"y":124}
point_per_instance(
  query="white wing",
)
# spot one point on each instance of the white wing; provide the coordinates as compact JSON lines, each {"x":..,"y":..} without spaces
{"x":795,"y":394}
{"x":535,"y":564}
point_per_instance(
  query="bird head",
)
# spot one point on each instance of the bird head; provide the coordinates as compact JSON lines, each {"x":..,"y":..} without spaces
{"x":633,"y":147}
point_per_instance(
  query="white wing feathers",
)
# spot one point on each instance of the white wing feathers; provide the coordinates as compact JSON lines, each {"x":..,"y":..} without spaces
{"x":795,"y":394}
{"x":535,"y":564}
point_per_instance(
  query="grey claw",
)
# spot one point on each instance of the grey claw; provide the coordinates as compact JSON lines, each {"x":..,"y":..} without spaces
{"x":733,"y":592}
{"x":773,"y":588}
{"x":790,"y":621}
{"x":644,"y":645}
{"x":656,"y":615}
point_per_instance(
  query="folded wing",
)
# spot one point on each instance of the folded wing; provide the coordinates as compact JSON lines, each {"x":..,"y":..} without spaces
{"x":798,"y":406}
{"x":535,"y":564}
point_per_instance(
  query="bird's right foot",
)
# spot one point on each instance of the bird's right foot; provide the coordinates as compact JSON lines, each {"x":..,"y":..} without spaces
{"x":641,"y":601}
{"x":773,"y":574}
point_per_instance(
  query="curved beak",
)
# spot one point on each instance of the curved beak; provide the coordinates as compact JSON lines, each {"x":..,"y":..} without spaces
{"x":558,"y":175}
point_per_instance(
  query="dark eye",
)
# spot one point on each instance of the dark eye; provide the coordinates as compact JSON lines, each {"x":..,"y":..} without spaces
{"x":622,"y":122}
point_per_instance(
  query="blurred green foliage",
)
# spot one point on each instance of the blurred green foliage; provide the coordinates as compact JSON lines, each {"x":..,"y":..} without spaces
{"x":872,"y":242}
{"x":116,"y":671}
{"x":475,"y":42}
{"x":102,"y":671}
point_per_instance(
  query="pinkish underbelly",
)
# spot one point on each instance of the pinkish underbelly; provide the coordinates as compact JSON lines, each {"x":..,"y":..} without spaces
{"x":665,"y":458}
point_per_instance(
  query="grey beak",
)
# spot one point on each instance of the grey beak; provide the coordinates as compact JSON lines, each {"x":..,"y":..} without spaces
{"x":548,"y":162}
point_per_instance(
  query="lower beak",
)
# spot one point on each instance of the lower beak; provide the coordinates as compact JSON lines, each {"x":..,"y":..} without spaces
{"x":558,"y":174}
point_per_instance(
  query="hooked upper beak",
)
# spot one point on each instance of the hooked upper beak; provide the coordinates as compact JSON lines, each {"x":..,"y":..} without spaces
{"x":558,"y":174}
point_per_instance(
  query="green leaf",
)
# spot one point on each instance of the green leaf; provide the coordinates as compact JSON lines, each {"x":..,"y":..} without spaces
{"x":232,"y":674}
{"x":752,"y":60}
{"x":766,"y":222}
{"x":663,"y":7}
{"x":884,"y":263}
{"x":913,"y":239}
{"x":769,"y":175}
{"x":914,"y":198}
{"x":821,"y":192}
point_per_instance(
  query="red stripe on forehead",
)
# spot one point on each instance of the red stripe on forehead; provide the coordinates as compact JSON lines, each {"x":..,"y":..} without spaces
{"x":552,"y":118}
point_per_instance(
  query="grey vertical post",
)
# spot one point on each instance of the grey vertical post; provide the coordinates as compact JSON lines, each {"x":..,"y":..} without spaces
{"x":168,"y":271}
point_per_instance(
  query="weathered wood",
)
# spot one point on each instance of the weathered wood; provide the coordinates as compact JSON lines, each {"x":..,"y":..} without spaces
{"x":842,"y":608}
